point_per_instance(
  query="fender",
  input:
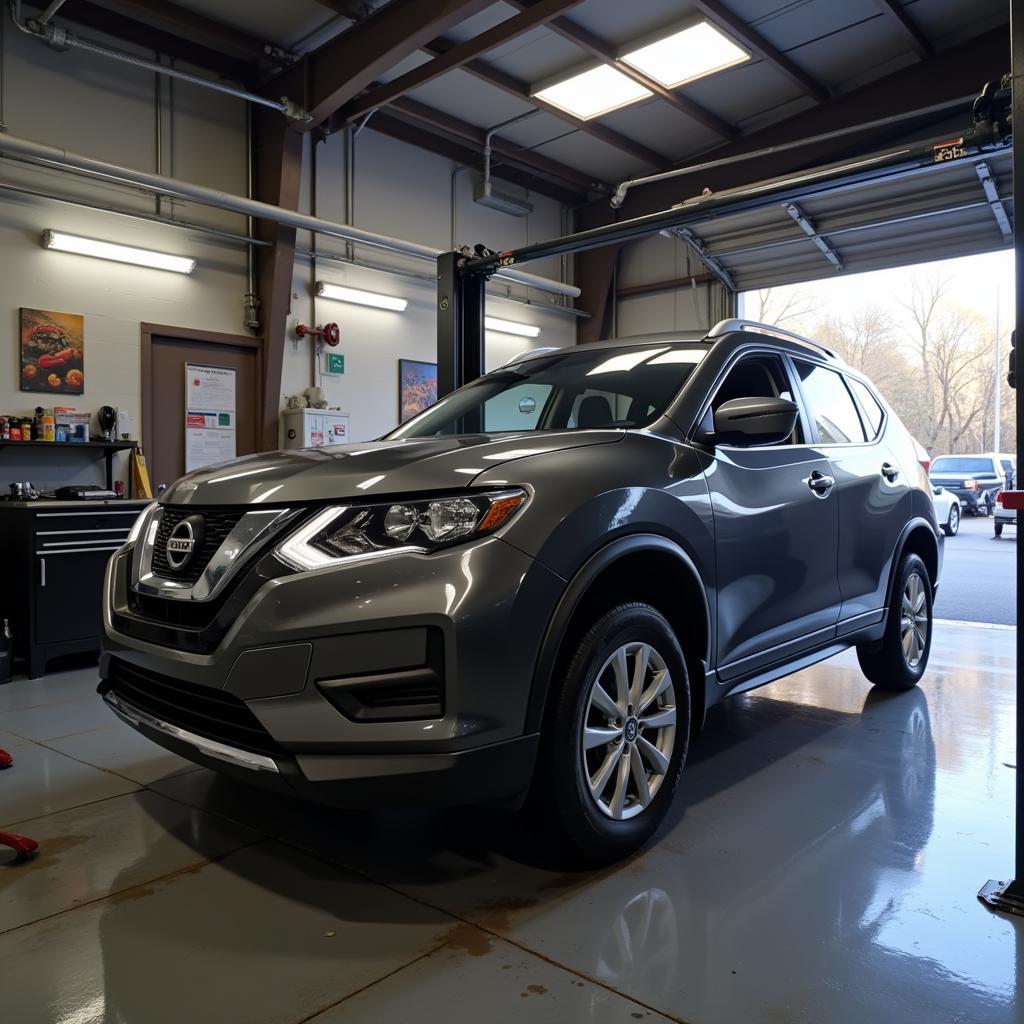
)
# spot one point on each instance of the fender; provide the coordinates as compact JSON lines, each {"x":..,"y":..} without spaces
{"x":573,"y":594}
{"x":913,"y":524}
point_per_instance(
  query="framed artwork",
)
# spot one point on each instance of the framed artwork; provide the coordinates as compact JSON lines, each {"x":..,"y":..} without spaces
{"x":52,"y":352}
{"x":417,"y":387}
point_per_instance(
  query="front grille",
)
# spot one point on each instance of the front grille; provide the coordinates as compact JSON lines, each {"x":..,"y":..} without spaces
{"x":217,"y":524}
{"x":215,"y":714}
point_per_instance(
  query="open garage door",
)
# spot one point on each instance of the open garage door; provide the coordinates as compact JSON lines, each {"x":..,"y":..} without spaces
{"x":938,"y":211}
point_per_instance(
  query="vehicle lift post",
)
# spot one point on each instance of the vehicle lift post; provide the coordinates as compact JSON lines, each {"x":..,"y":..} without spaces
{"x":1008,"y":895}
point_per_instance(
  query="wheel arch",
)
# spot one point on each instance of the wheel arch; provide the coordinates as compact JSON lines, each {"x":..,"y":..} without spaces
{"x":920,"y":539}
{"x":674,"y":588}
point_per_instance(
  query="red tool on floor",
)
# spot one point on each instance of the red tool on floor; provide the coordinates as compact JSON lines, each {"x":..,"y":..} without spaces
{"x":21,"y":845}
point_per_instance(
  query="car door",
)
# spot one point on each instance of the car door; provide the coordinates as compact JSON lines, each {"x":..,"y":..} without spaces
{"x":874,"y":495}
{"x":776,"y":534}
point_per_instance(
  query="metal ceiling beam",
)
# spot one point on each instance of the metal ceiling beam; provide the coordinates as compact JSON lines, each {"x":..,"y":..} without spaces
{"x":536,"y":14}
{"x":102,"y":19}
{"x":507,"y":152}
{"x":351,"y":61}
{"x":600,"y":48}
{"x":806,"y":225}
{"x":734,"y":26}
{"x":521,"y":90}
{"x":453,"y":149}
{"x":913,"y":35}
{"x":995,"y":200}
{"x":671,"y":285}
{"x":186,"y":24}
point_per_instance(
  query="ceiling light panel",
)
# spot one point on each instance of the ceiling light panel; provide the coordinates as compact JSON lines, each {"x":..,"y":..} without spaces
{"x":683,"y":56}
{"x":493,"y":323}
{"x":593,"y":93}
{"x":341,"y":293}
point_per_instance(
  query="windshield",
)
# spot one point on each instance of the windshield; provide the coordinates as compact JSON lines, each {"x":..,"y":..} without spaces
{"x":962,"y":464}
{"x":574,"y":389}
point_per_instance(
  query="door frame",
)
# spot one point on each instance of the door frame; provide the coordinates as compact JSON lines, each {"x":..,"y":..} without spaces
{"x":192,"y":334}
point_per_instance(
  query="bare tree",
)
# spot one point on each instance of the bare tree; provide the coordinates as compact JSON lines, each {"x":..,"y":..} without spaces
{"x":869,"y":341}
{"x":777,"y":307}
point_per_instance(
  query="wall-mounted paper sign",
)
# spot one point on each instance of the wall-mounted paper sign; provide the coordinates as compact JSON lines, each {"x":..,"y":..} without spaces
{"x":210,"y":427}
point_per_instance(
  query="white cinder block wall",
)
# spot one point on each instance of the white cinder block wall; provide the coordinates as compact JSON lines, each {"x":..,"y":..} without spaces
{"x":89,"y":105}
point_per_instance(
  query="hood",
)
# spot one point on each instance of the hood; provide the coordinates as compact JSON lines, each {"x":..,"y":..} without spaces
{"x":385,"y":468}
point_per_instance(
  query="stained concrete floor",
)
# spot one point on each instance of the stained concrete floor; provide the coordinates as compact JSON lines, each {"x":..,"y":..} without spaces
{"x":820,"y":863}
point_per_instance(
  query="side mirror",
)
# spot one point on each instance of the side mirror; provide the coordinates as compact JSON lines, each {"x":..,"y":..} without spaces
{"x":754,"y":421}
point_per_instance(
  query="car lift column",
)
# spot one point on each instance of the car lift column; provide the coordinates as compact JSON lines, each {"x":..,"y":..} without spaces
{"x":460,"y":323}
{"x":1008,"y":896}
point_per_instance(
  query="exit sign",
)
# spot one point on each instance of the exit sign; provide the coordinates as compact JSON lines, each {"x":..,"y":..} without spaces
{"x":335,"y":362}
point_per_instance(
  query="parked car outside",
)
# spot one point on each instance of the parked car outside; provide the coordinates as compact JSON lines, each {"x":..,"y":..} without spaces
{"x":1002,"y":517}
{"x":974,"y":479}
{"x":532,"y":591}
{"x":947,"y":511}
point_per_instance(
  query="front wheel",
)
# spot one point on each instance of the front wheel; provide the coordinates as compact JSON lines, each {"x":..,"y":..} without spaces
{"x":615,"y":738}
{"x":952,"y":526}
{"x":898,"y":661}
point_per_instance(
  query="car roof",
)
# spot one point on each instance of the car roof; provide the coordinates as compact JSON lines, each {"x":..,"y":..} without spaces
{"x":725,"y":329}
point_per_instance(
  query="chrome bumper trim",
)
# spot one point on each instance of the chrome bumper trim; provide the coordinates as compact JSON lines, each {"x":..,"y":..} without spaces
{"x":244,"y":758}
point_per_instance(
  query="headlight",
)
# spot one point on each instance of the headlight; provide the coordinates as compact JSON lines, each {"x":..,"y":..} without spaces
{"x":133,"y":533}
{"x":354,"y":531}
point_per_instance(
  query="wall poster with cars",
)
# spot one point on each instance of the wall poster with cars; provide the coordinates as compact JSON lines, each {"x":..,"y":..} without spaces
{"x":52,"y":352}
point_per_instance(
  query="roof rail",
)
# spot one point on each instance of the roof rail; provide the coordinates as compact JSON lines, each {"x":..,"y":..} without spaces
{"x":736,"y":324}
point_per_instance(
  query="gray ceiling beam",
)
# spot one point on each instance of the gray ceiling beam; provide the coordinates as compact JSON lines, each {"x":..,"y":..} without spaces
{"x":534,"y":15}
{"x":913,"y":35}
{"x":720,"y":15}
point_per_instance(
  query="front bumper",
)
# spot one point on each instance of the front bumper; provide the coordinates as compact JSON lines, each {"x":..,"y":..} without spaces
{"x":399,"y":681}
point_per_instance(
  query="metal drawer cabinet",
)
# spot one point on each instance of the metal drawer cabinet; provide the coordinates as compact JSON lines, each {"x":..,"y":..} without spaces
{"x":53,"y":561}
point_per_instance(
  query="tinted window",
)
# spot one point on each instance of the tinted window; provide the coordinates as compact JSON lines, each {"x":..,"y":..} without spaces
{"x":830,"y":404}
{"x":869,"y":405}
{"x":573,"y":389}
{"x":963,"y":464}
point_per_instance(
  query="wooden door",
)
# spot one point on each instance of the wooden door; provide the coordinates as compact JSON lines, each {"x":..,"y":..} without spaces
{"x":165,"y":351}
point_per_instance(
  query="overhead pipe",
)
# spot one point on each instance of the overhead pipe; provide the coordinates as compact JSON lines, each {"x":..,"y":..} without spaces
{"x":63,"y":39}
{"x":619,"y":195}
{"x":37,"y":152}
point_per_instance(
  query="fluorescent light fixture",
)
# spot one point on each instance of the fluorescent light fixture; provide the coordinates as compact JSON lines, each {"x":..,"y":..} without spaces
{"x":593,"y":93}
{"x":683,"y":56}
{"x":492,"y":323}
{"x":341,"y":293}
{"x":63,"y":242}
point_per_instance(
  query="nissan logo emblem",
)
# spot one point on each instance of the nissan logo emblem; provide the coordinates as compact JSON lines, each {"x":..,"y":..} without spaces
{"x":184,"y":539}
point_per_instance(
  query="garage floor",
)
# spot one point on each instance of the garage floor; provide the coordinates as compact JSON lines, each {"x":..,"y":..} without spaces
{"x":821,"y":863}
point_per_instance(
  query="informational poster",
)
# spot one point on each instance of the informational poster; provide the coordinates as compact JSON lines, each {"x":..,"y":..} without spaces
{"x":210,"y":427}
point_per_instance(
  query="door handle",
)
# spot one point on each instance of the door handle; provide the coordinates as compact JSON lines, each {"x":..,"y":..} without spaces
{"x":820,"y":483}
{"x":42,"y":572}
{"x":889,"y":471}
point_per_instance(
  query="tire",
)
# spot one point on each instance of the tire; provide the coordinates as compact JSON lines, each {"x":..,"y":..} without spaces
{"x":889,"y":664}
{"x":952,"y":525}
{"x":997,"y":529}
{"x":595,"y":821}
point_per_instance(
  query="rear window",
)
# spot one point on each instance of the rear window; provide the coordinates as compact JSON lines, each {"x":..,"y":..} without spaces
{"x":962,"y":464}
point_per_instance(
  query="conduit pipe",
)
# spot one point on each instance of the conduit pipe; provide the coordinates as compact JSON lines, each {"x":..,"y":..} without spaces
{"x":63,"y":39}
{"x":37,"y":152}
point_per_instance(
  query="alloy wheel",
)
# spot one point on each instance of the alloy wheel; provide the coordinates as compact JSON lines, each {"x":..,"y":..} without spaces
{"x":629,"y":730}
{"x":954,"y":520}
{"x":914,"y":620}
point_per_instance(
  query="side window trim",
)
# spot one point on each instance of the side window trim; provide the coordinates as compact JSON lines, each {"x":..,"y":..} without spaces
{"x":860,"y":406}
{"x":853,"y":398}
{"x":804,"y":421}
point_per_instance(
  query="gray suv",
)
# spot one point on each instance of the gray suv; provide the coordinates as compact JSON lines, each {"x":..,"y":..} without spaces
{"x":532,"y":592}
